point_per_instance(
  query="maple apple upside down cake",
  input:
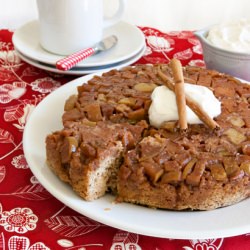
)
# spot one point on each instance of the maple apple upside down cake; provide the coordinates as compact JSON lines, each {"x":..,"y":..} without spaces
{"x":112,"y":140}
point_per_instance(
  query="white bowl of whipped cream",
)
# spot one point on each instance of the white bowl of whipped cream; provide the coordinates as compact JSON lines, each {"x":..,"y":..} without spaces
{"x":226,"y":47}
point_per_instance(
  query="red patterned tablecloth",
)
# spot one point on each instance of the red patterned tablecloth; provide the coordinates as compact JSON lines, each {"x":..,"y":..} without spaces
{"x":30,"y":218}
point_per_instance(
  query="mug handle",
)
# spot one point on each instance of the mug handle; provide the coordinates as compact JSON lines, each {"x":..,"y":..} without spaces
{"x":117,"y":16}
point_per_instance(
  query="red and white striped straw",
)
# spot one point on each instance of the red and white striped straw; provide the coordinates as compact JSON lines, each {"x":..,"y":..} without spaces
{"x":71,"y":60}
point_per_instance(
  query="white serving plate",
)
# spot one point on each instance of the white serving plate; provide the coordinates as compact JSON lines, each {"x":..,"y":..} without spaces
{"x":219,"y":223}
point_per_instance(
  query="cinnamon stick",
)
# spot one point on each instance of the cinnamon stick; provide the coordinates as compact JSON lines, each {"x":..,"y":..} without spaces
{"x":194,"y":106}
{"x":179,"y":92}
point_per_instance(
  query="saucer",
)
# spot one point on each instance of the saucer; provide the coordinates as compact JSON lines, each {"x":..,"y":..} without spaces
{"x":81,"y":70}
{"x":131,"y":40}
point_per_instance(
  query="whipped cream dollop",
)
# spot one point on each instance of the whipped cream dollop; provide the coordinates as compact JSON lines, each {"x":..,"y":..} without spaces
{"x":164,"y":108}
{"x":233,"y":36}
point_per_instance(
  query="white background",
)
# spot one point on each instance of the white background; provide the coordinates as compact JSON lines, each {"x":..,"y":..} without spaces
{"x":162,"y":14}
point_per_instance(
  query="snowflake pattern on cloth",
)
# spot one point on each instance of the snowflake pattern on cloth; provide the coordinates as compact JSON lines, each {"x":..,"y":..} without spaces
{"x":19,"y":162}
{"x":211,"y":244}
{"x":19,"y":220}
{"x":45,"y":85}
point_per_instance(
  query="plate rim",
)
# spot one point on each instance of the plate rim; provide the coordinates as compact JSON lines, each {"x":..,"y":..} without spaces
{"x":108,"y":218}
{"x":82,"y":70}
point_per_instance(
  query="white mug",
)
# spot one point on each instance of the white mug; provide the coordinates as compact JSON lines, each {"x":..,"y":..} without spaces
{"x":67,"y":26}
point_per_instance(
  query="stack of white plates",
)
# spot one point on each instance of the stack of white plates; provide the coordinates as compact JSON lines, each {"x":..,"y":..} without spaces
{"x":129,"y":49}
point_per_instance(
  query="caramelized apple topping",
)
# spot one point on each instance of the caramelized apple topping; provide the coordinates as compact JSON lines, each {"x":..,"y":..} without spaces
{"x":70,"y":102}
{"x":152,"y":170}
{"x":172,"y":177}
{"x":167,"y":162}
{"x":165,"y":156}
{"x":145,"y":87}
{"x":218,"y":172}
{"x":93,"y":112}
{"x":246,"y":148}
{"x":235,"y":136}
{"x":69,"y":146}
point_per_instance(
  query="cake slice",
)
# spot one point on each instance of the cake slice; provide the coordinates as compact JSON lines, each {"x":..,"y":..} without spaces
{"x":88,"y":155}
